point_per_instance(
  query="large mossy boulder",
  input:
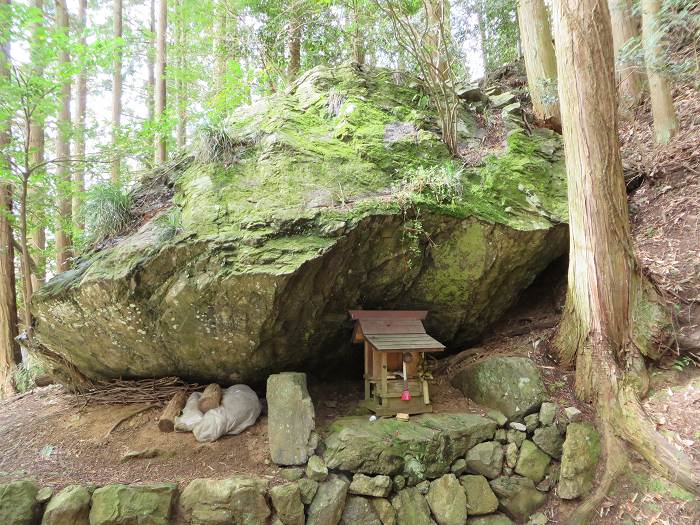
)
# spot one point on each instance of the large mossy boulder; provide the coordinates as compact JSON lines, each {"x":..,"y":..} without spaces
{"x":242,"y":257}
{"x":133,"y":504}
{"x":580,"y":456}
{"x":71,"y":506}
{"x":424,"y":447}
{"x":510,"y":384}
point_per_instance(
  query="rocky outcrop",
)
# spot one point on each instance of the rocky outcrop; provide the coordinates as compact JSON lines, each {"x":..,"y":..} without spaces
{"x":336,"y":194}
{"x":290,"y":419}
{"x":510,"y":384}
{"x":426,"y":446}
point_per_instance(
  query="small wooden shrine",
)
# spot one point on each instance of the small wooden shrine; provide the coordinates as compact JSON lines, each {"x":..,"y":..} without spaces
{"x":395,"y":343}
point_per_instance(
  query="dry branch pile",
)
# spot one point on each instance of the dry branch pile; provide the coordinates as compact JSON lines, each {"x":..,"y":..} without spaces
{"x":127,"y":392}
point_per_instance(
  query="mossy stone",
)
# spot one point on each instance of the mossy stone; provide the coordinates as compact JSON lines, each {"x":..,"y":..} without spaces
{"x":411,"y":508}
{"x":71,"y":506}
{"x":517,"y":496}
{"x":581,"y":452}
{"x":18,"y":503}
{"x":238,"y":499}
{"x":329,"y":501}
{"x":126,"y":504}
{"x":486,"y":459}
{"x":286,"y":500}
{"x":480,"y":497}
{"x":532,"y":462}
{"x":447,"y":501}
{"x":359,"y":511}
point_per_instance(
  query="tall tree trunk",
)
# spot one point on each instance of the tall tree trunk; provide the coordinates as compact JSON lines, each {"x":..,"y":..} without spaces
{"x":9,"y":349}
{"x":665,"y":123}
{"x":80,"y":110}
{"x":540,"y":62}
{"x":63,"y":240}
{"x":36,"y":152}
{"x":358,"y":37}
{"x":116,"y":91}
{"x":160,"y":94}
{"x":629,"y":78}
{"x":482,"y":33}
{"x":220,"y":47}
{"x":181,"y":91}
{"x":438,"y":20}
{"x":151,"y":84}
{"x":294,"y":46}
{"x":609,"y":302}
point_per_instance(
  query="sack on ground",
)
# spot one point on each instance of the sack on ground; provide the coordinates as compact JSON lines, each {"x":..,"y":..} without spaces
{"x":191,"y":415}
{"x":239,"y":409}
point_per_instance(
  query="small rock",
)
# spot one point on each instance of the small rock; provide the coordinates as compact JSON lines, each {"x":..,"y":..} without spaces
{"x":501,"y":436}
{"x":411,"y":508}
{"x":459,"y":467}
{"x":507,"y":471}
{"x":517,"y":496}
{"x":359,"y":511}
{"x":486,"y":459}
{"x":44,"y":494}
{"x":423,"y":487}
{"x":292,"y":474}
{"x":532,"y":462}
{"x":71,"y":506}
{"x":316,"y":469}
{"x":580,"y":455}
{"x":307,"y":490}
{"x":118,"y":504}
{"x":545,"y":485}
{"x":493,"y":519}
{"x":329,"y":501}
{"x":511,"y":455}
{"x":518,"y":426}
{"x":383,"y":508}
{"x":448,"y":501}
{"x":498,"y":417}
{"x":480,"y":497}
{"x":18,"y":504}
{"x":399,"y":482}
{"x":548,"y":411}
{"x":573,"y":414}
{"x":286,"y":500}
{"x":550,"y":440}
{"x":539,"y":518}
{"x":376,"y":486}
{"x":516,"y":436}
{"x":531,"y":422}
{"x":503,"y":99}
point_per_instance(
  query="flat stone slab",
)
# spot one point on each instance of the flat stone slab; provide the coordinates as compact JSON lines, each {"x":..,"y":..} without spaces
{"x":429,"y":443}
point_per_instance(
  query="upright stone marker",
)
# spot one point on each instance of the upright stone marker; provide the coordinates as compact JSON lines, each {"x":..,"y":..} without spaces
{"x":290,"y":419}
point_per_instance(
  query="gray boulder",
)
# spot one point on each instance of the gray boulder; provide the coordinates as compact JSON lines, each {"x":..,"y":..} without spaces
{"x":548,"y":412}
{"x":480,"y":497}
{"x":286,"y":500}
{"x":448,"y":501}
{"x":580,"y":456}
{"x":316,"y":469}
{"x":486,"y":459}
{"x":517,"y":496}
{"x":307,"y":489}
{"x":128,"y":504}
{"x":385,"y":511}
{"x":290,"y":419}
{"x":510,"y":384}
{"x":532,"y":462}
{"x":375,"y":486}
{"x":550,"y":440}
{"x":71,"y":506}
{"x":238,"y":499}
{"x":411,"y":508}
{"x":359,"y":511}
{"x":18,"y":503}
{"x":329,"y":501}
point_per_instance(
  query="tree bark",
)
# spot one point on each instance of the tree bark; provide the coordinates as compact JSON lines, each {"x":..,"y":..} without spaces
{"x":160,"y":88}
{"x":663,"y":113}
{"x":294,"y":46}
{"x":358,"y":38}
{"x":80,"y":111}
{"x":63,"y":239}
{"x":151,"y":83}
{"x":181,"y":92}
{"x":482,"y":34}
{"x":610,"y":306}
{"x":116,"y":91}
{"x":9,"y":349}
{"x":540,"y":62}
{"x":629,"y":78}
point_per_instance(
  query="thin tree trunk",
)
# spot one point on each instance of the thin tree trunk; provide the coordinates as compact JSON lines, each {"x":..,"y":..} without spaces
{"x":438,"y":20}
{"x":151,"y":86}
{"x":181,"y":103}
{"x":220,"y":47}
{"x":629,"y":77}
{"x":80,"y":110}
{"x":608,"y":299}
{"x":9,"y":349}
{"x":160,"y":93}
{"x":540,"y":62}
{"x":63,"y":240}
{"x":482,"y":33}
{"x":36,"y":152}
{"x":358,"y":38}
{"x":116,"y":91}
{"x":663,"y":113}
{"x":294,"y":46}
